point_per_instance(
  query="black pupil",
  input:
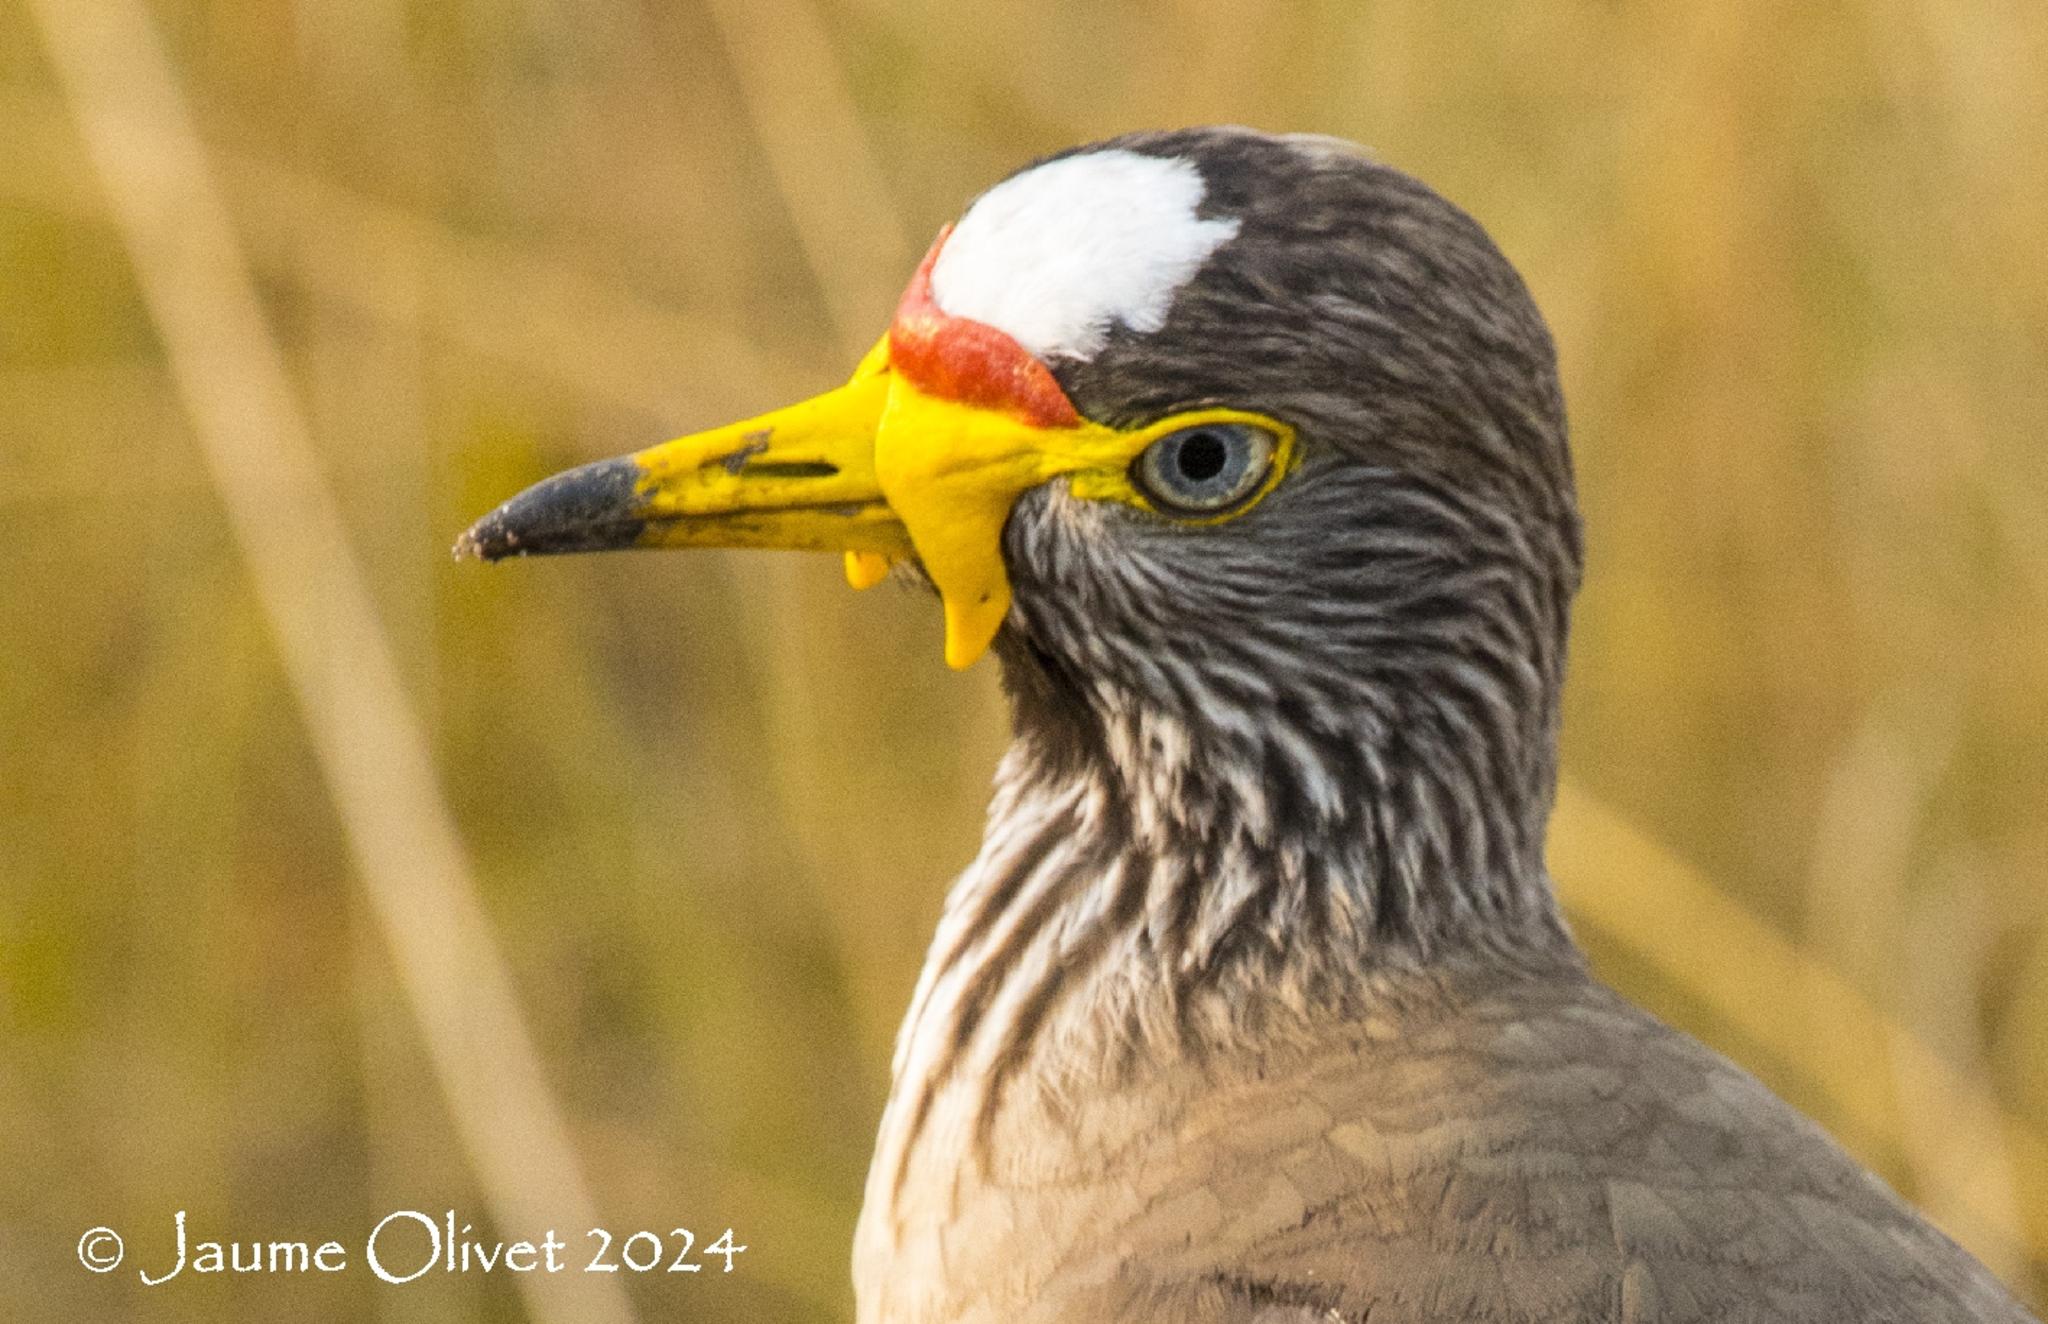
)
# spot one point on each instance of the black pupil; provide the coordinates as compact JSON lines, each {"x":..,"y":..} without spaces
{"x":1201,"y":457}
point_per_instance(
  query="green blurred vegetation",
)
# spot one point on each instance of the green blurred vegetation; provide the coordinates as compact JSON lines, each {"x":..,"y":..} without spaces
{"x":1792,"y":255}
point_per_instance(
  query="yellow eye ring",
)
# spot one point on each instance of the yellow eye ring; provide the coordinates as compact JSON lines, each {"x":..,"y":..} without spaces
{"x":1202,"y":466}
{"x":1204,"y":470}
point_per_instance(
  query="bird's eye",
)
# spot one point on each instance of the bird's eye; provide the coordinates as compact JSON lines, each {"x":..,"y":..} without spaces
{"x":1205,"y":469}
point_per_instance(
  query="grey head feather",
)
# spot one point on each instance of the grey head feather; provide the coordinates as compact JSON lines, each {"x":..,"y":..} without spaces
{"x":1368,"y":661}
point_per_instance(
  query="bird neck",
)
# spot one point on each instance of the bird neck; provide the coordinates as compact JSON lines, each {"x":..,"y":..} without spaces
{"x":1322,"y":832}
{"x":1152,"y":893}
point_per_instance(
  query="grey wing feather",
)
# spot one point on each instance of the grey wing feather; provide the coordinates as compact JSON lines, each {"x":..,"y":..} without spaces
{"x":1563,"y":1162}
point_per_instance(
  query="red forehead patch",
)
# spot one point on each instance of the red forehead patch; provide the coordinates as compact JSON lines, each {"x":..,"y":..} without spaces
{"x":970,"y":362}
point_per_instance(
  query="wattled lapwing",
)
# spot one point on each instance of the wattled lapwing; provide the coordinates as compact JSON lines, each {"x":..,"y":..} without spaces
{"x":1245,"y":455}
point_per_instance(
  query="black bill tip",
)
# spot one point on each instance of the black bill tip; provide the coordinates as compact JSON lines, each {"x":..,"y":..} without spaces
{"x":593,"y":508}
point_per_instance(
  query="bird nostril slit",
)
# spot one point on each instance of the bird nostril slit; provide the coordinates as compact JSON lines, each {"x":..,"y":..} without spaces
{"x":742,"y":461}
{"x":792,"y":469}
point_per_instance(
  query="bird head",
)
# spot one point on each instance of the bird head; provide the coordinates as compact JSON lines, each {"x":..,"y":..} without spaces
{"x":1206,"y":428}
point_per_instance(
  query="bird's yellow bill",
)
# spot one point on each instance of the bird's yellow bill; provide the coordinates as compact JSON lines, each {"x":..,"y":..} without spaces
{"x":876,"y":469}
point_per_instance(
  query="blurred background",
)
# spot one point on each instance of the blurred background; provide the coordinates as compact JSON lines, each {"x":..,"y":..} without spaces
{"x":338,"y":878}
